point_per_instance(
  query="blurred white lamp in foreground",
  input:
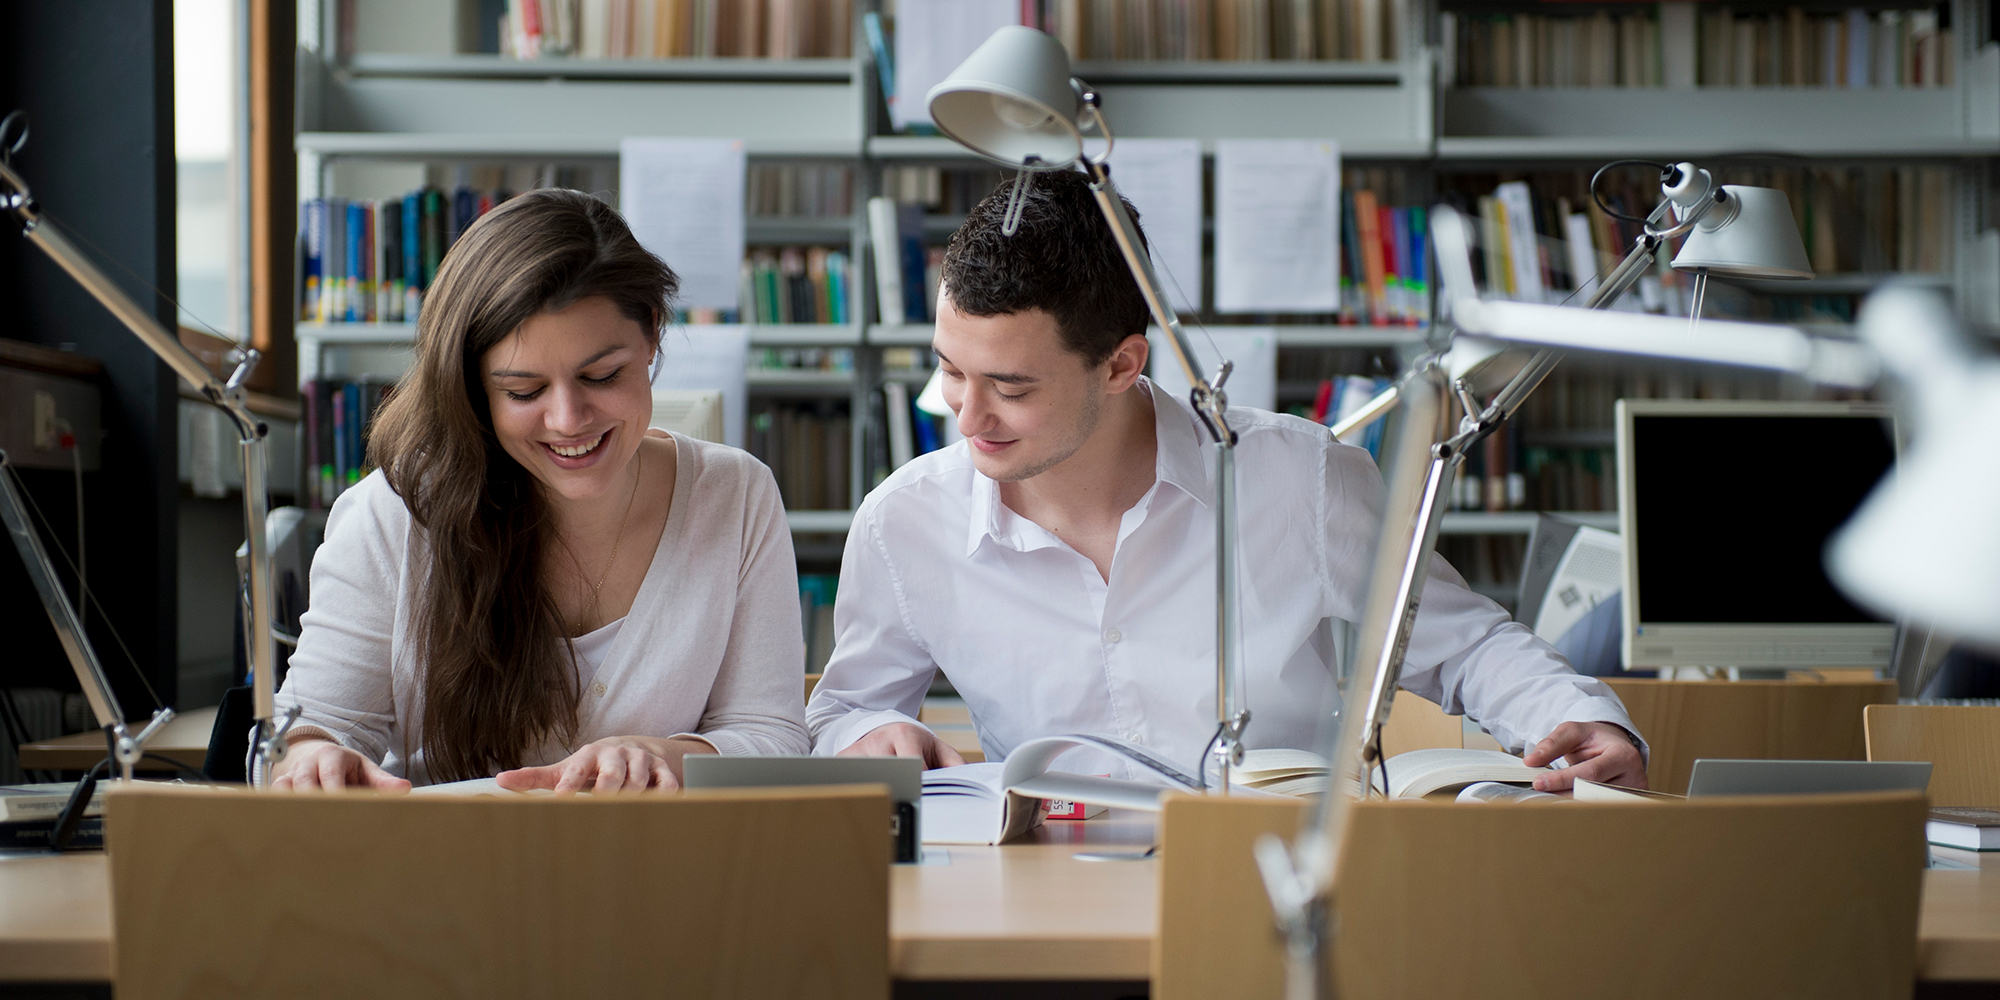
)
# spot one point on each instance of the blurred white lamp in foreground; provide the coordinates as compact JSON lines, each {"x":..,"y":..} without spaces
{"x":1014,"y":102}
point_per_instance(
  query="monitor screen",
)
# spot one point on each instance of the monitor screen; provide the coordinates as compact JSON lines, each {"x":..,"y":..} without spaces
{"x":1726,"y":509}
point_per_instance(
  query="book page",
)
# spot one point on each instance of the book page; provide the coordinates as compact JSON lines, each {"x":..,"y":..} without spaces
{"x":1162,"y":179}
{"x":710,"y":357}
{"x":932,"y":38}
{"x":683,"y":199}
{"x":1253,"y":350}
{"x":1277,"y":225}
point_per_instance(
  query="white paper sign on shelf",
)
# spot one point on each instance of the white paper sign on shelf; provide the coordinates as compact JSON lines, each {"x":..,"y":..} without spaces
{"x":709,"y":357}
{"x":1162,"y":179}
{"x":1254,"y":349}
{"x":1277,"y":225}
{"x":932,"y":38}
{"x":683,"y":199}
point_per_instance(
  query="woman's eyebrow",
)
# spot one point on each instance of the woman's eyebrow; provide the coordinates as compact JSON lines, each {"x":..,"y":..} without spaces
{"x":587,"y":362}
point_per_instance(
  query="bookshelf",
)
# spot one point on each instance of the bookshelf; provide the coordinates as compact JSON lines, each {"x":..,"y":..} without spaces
{"x":379,"y":118}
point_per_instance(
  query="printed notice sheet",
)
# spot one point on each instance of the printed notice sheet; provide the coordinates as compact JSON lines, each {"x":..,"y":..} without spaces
{"x":705,"y":356}
{"x":1277,"y":225}
{"x":1254,"y":349}
{"x":932,"y":38}
{"x":683,"y":199}
{"x":1162,"y":179}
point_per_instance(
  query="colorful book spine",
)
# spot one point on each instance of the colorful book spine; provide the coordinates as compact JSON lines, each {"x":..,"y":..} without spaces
{"x":312,"y":257}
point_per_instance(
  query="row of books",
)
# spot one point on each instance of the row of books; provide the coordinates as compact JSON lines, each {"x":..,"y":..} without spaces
{"x":1871,"y":219}
{"x":792,"y":190}
{"x":944,"y":190}
{"x":1677,"y":45}
{"x":1384,"y":258}
{"x":906,"y":269}
{"x":816,"y":593}
{"x":899,"y":430}
{"x":1223,"y":30}
{"x":670,"y":29}
{"x":801,"y":359}
{"x":337,"y":415}
{"x":369,"y":260}
{"x":808,"y":446}
{"x":797,"y":285}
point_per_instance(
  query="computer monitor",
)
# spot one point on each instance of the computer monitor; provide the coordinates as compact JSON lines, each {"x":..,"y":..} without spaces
{"x":1725,"y":507}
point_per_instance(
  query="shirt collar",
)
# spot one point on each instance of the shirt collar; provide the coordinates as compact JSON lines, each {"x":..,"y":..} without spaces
{"x":1178,"y":463}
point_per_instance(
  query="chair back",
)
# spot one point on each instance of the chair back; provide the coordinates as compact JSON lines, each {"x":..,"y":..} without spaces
{"x":1748,"y":897}
{"x":1417,"y":723}
{"x":1754,"y":720}
{"x":727,"y":893}
{"x":1962,"y":742}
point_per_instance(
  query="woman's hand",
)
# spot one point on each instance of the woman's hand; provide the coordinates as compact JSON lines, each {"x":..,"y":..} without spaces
{"x":612,"y":764}
{"x":314,"y":763}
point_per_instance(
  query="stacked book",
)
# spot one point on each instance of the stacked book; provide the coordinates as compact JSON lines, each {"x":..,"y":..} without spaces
{"x":797,"y":285}
{"x":677,"y":29}
{"x":1677,"y":45}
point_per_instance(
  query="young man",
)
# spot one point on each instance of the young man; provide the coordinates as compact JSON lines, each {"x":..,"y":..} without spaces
{"x":1059,"y":564}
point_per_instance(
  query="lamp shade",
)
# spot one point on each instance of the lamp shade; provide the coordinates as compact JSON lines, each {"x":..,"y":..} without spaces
{"x":1926,"y":544}
{"x":1012,"y":102}
{"x":1747,"y":234}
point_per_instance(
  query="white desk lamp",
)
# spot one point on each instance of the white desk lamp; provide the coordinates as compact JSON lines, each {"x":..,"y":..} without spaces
{"x":1014,"y":102}
{"x":1748,"y":231}
{"x":126,"y":749}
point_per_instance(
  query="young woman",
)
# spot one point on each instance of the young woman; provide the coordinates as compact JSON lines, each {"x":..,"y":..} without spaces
{"x":532,"y":585}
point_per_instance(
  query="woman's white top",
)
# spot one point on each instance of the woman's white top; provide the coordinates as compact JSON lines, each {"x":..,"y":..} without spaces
{"x":712,"y":646}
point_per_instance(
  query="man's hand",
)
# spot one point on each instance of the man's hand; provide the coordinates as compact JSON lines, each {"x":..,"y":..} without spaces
{"x":315,"y":763}
{"x":613,"y":764}
{"x":1599,"y":751}
{"x":900,"y":739}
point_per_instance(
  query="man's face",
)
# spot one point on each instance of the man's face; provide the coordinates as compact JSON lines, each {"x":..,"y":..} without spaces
{"x":1024,"y":401}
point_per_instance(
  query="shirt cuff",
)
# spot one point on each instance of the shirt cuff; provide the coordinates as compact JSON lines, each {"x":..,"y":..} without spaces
{"x":742,"y":746}
{"x":1596,"y":711}
{"x":842,"y":733}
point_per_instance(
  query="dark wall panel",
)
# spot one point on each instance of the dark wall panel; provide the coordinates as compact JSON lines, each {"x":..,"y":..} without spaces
{"x":96,"y":76}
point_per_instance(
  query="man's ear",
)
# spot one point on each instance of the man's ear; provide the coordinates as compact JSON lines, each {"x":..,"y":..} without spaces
{"x":1127,"y":363}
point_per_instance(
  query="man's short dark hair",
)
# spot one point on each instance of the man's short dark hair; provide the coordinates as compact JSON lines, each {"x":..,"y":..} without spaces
{"x":1061,"y":260}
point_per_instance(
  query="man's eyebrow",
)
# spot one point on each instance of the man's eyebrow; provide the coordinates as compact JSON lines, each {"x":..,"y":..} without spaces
{"x":1010,"y":378}
{"x":593,"y":359}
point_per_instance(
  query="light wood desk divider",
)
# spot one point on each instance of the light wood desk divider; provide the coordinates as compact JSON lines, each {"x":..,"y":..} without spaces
{"x":1765,"y":720}
{"x":1744,"y":897}
{"x":736,"y":893}
{"x":1962,"y":742}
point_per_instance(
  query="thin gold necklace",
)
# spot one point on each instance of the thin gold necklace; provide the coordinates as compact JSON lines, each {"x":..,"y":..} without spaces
{"x":638,"y":473}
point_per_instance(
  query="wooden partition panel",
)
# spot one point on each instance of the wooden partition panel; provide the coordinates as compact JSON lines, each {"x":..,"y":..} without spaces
{"x":1718,"y":898}
{"x":1805,"y":896}
{"x":1416,"y":723}
{"x":1765,"y":720}
{"x":1217,"y":935}
{"x":726,"y":893}
{"x":1962,"y":742}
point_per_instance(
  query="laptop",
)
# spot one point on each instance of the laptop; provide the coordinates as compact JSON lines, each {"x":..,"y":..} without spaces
{"x":903,"y":775}
{"x":1805,"y":777}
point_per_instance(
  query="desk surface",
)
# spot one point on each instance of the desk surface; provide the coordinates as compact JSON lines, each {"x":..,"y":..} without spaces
{"x":1024,"y":911}
{"x":185,"y":739}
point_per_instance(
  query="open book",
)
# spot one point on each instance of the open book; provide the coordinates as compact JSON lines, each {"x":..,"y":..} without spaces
{"x":994,"y":802}
{"x":1418,"y":773}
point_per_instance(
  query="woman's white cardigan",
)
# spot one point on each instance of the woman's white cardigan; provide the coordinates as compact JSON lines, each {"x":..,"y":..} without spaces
{"x":712,"y":645}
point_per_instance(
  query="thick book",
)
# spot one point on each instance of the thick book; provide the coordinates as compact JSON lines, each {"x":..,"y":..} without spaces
{"x":1418,"y":773}
{"x":1965,"y":828}
{"x":40,"y":801}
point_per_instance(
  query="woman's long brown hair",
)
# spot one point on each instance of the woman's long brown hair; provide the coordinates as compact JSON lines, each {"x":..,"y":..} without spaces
{"x":497,"y":676}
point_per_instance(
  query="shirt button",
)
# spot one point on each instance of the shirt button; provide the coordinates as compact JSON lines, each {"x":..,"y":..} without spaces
{"x":1112,"y":635}
{"x":597,"y":689}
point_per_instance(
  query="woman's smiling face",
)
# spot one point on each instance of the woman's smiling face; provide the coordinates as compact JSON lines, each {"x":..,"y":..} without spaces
{"x":569,"y":395}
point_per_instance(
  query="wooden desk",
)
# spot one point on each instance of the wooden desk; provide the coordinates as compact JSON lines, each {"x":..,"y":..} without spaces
{"x":1027,"y":911}
{"x":185,"y":739}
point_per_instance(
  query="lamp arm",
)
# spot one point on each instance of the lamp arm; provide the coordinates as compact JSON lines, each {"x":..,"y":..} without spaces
{"x":1212,"y":405}
{"x":230,"y":397}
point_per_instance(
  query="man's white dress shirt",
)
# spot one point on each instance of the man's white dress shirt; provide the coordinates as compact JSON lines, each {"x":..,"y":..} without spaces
{"x":940,"y":575}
